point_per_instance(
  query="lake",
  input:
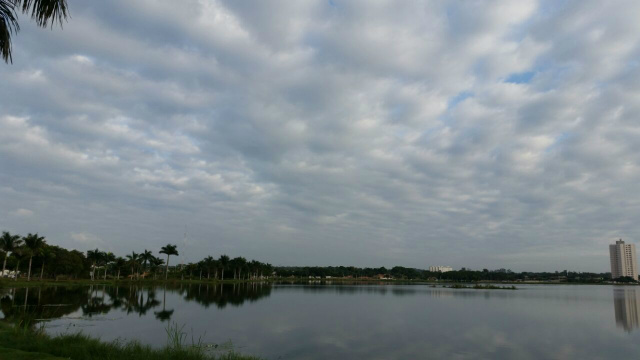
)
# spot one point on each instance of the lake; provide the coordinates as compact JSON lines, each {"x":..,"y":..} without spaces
{"x":365,"y":321}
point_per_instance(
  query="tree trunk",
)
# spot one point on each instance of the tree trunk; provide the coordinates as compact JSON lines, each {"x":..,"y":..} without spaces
{"x":200,"y":274}
{"x":29,"y":275}
{"x":222,"y":274}
{"x":118,"y":274}
{"x":16,"y":272}
{"x":166,"y":269}
{"x":42,"y":270}
{"x":4,"y":265}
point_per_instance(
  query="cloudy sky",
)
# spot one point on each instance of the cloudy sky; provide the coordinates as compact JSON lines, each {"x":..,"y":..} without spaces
{"x":479,"y":134}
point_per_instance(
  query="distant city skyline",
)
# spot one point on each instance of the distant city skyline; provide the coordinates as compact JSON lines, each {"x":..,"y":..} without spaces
{"x":479,"y":135}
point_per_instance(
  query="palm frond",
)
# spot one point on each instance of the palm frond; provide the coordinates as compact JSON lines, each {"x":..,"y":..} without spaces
{"x":8,"y":26}
{"x":45,"y":12}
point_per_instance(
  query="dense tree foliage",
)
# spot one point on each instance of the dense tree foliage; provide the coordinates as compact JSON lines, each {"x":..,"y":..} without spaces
{"x":33,"y":252}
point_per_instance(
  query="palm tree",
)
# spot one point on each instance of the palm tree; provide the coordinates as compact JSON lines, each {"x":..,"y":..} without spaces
{"x":119,"y":262}
{"x":134,"y":258}
{"x":208,"y":263}
{"x":155,"y":263}
{"x":107,"y":258}
{"x":18,"y":253}
{"x":47,"y":254}
{"x":34,"y":244}
{"x":168,"y":250}
{"x":94,"y":256}
{"x":146,"y":257}
{"x":224,"y":262}
{"x":44,"y":12}
{"x":8,"y":243}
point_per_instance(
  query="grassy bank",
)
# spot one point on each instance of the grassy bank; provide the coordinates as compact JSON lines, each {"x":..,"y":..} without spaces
{"x":21,"y":343}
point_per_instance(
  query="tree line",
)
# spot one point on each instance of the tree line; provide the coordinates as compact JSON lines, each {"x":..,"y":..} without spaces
{"x":32,"y":254}
{"x":23,"y":254}
{"x":462,"y":275}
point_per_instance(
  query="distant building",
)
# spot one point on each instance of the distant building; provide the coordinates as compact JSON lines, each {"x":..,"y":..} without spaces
{"x":440,"y":268}
{"x":623,"y":260}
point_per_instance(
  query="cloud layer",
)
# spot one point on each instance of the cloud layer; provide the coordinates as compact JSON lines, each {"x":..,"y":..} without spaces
{"x":477,"y":134}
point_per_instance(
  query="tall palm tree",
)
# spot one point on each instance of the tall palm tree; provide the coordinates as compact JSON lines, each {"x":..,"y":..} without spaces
{"x":93,"y":256}
{"x":8,"y":243}
{"x":119,"y":262}
{"x":208,"y":264}
{"x":168,"y":250}
{"x":155,"y":263}
{"x":107,"y":258}
{"x":19,"y":254}
{"x":34,"y":244}
{"x":133,"y":260}
{"x":146,"y":257}
{"x":47,"y":254}
{"x":44,"y":12}
{"x":224,"y":262}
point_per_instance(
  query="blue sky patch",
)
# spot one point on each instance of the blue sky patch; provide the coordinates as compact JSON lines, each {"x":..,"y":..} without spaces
{"x":520,"y":78}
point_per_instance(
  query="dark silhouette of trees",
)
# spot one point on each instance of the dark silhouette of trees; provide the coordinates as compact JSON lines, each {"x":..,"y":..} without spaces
{"x":224,"y":263}
{"x":168,"y":250}
{"x":33,"y":244}
{"x":8,"y":243}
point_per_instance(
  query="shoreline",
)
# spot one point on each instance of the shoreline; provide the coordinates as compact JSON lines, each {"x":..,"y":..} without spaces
{"x":8,"y":283}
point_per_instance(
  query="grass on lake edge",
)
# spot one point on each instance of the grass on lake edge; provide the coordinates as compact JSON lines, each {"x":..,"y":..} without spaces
{"x":21,"y":343}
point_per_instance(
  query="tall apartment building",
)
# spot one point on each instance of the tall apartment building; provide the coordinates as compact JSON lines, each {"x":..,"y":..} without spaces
{"x":440,"y":268}
{"x":623,"y":260}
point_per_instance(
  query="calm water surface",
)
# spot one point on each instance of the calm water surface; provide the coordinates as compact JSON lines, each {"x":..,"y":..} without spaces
{"x":323,"y":321}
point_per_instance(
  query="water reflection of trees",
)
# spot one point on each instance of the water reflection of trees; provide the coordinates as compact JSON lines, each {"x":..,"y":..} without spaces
{"x":222,"y":295}
{"x":49,"y":303}
{"x":395,"y":290}
{"x":38,"y":303}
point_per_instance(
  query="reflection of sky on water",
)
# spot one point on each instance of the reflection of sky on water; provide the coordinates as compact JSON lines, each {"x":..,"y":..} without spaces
{"x":360,"y":321}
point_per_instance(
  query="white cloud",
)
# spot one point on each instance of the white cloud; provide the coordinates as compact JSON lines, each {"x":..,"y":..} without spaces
{"x":84,"y":240}
{"x":22,"y":212}
{"x":368,"y":133}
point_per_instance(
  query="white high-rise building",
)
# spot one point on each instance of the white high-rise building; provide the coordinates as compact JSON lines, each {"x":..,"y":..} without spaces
{"x":623,"y":260}
{"x":440,"y":268}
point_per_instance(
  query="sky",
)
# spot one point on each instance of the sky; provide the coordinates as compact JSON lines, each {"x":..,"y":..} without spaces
{"x":478,"y":134}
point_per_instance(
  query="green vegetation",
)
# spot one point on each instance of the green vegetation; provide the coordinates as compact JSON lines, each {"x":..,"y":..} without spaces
{"x":99,"y":265}
{"x":462,"y":275}
{"x":21,"y":342}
